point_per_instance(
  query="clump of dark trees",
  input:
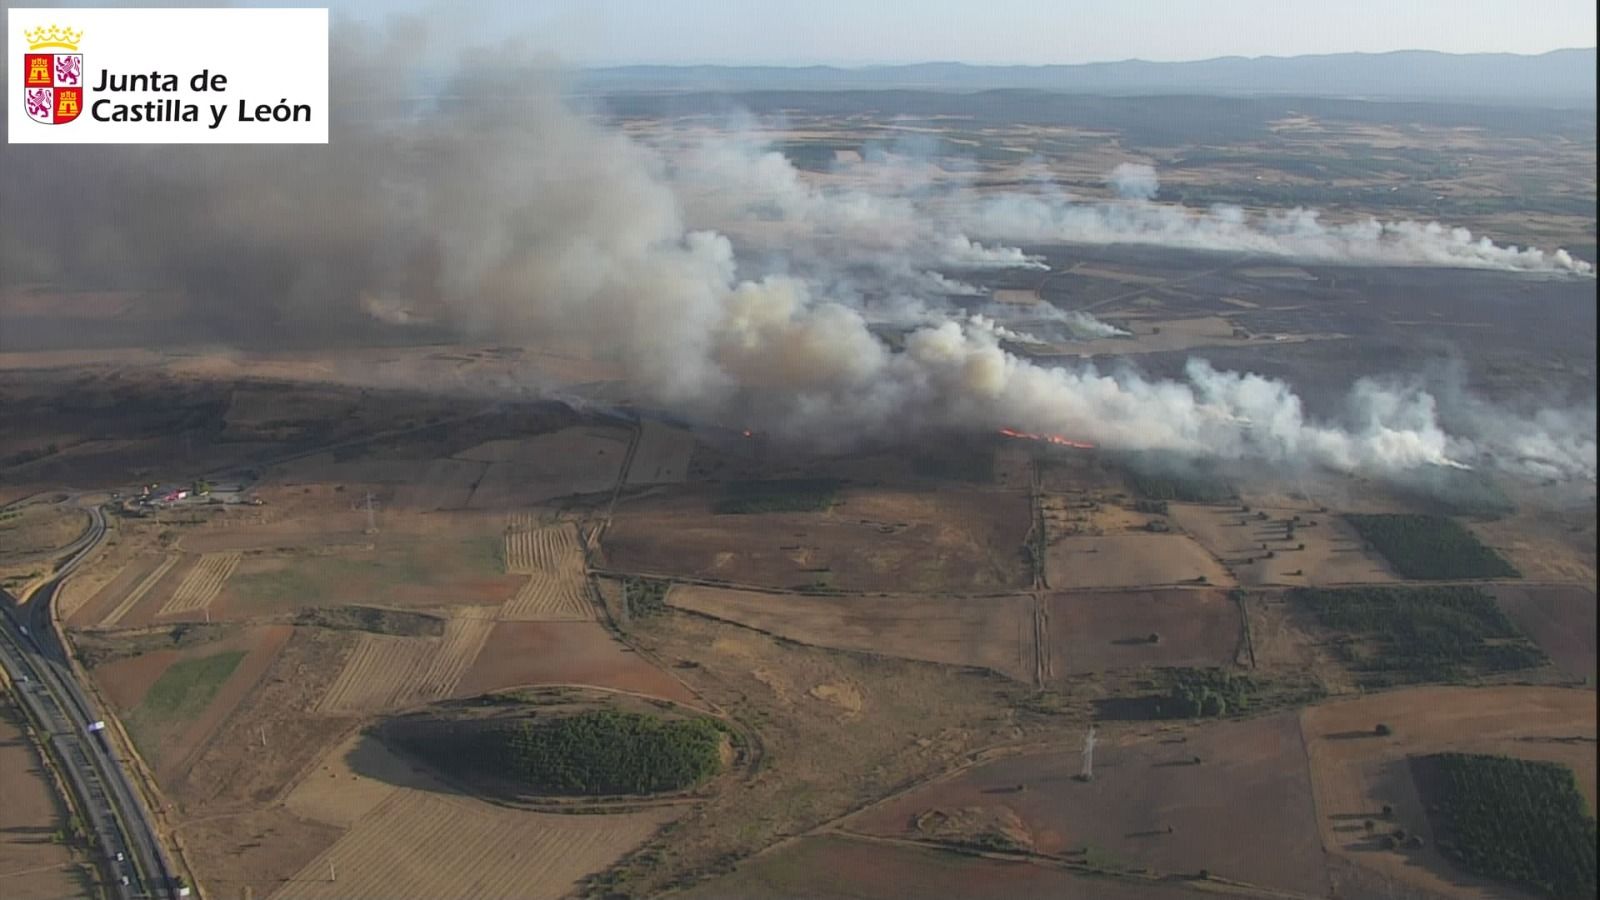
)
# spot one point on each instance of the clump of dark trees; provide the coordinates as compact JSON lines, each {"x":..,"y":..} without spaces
{"x":1183,"y":693}
{"x":1431,"y":547}
{"x":1397,"y":635}
{"x":644,"y":596}
{"x":598,"y":752}
{"x":1516,"y":820}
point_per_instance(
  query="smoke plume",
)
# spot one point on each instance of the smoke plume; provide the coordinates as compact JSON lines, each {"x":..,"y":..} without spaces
{"x":498,"y":212}
{"x":1134,"y":181}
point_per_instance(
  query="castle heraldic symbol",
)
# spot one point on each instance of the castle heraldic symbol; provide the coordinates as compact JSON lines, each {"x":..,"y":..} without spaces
{"x":52,"y":83}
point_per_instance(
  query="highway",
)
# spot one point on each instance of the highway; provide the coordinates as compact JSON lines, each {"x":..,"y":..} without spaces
{"x":37,"y":665}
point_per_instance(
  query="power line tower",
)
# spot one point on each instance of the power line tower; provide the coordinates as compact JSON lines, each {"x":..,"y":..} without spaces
{"x":1087,"y":773}
{"x":372,"y":520}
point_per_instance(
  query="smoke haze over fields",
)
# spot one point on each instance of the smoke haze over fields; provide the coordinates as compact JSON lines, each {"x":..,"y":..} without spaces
{"x":501,"y":212}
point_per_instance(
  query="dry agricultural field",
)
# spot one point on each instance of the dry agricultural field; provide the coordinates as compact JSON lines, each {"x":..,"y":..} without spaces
{"x":1097,"y":631}
{"x":1333,"y":554}
{"x":990,"y":632}
{"x":1356,"y":772}
{"x":1149,"y":804}
{"x":871,"y":540}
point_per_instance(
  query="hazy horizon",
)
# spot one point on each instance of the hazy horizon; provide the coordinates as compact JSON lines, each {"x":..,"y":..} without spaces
{"x":601,"y":33}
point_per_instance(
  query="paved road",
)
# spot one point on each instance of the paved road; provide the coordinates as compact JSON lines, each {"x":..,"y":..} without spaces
{"x":37,"y":664}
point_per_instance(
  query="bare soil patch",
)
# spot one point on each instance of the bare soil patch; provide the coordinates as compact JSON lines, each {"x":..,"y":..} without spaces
{"x":1099,"y":631}
{"x":988,"y":632}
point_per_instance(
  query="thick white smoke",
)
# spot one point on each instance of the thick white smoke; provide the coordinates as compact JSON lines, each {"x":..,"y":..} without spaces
{"x":1134,"y":181}
{"x":501,"y":213}
{"x":1049,"y":217}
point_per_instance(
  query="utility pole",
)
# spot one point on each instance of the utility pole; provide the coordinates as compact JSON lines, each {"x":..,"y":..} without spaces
{"x":372,"y":520}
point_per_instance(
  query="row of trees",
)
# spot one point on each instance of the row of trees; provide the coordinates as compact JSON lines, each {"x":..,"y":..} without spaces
{"x":1431,"y":547}
{"x":1517,"y":820}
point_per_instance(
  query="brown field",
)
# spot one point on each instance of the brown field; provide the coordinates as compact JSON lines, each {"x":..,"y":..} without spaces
{"x":532,"y":653}
{"x":990,"y":632}
{"x":1560,"y":619}
{"x":846,"y":867}
{"x":89,"y":605}
{"x":201,"y":585}
{"x":1546,"y":546}
{"x":1355,"y":773}
{"x":411,"y":836}
{"x":1144,"y":784}
{"x":1096,"y":632}
{"x":871,"y":540}
{"x":32,"y":865}
{"x":545,"y":598}
{"x":836,"y":730}
{"x":662,"y":456}
{"x":1130,"y":560}
{"x":1333,"y":552}
{"x":123,"y":599}
{"x":388,"y":672}
{"x":1079,"y":515}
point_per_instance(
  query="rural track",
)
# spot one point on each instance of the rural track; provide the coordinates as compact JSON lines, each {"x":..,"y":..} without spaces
{"x":37,"y":663}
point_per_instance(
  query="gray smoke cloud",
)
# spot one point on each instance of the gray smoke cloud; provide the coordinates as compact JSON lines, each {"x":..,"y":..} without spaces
{"x":500,"y":213}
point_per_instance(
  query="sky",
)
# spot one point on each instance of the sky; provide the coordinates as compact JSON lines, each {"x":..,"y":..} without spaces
{"x":1033,"y":32}
{"x":857,"y":32}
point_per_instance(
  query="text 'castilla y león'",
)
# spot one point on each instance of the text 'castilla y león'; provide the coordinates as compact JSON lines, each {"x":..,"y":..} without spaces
{"x":173,"y":109}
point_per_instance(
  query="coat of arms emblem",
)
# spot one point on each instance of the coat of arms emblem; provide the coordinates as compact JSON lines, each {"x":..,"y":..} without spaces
{"x":52,"y":83}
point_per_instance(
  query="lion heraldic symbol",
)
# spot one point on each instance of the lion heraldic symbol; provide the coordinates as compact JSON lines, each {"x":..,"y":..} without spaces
{"x":52,"y":83}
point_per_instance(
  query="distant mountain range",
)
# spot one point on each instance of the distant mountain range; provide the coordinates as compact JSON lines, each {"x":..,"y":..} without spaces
{"x":1557,"y":78}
